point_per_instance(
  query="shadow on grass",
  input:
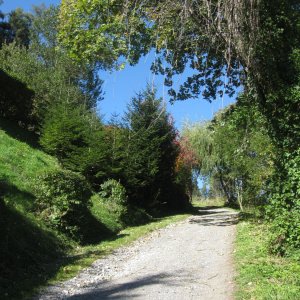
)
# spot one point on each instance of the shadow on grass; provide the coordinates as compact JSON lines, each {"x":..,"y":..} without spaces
{"x":92,"y":231}
{"x":30,"y":255}
{"x":26,"y":252}
{"x":14,"y":130}
{"x":251,"y":216}
{"x":15,"y":196}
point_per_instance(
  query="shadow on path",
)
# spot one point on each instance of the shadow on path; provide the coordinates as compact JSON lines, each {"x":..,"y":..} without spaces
{"x":215,"y":217}
{"x":120,"y":291}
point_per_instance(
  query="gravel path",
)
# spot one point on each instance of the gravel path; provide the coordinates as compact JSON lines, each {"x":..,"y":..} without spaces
{"x":188,"y":260}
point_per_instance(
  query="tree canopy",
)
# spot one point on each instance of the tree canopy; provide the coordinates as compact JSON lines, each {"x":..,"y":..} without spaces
{"x":235,"y":152}
{"x":218,"y":39}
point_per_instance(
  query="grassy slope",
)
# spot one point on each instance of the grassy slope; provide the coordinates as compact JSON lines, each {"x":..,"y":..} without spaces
{"x":20,"y":163}
{"x":260,"y":274}
{"x":27,"y":247}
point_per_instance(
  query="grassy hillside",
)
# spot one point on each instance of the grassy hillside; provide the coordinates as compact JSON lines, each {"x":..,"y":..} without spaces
{"x":30,"y":252}
{"x":20,"y":164}
{"x":27,"y":246}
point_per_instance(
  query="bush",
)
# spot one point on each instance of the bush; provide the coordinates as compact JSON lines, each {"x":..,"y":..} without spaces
{"x":111,"y":208}
{"x":62,"y":199}
{"x":114,"y":191}
{"x":114,"y":197}
{"x":283,"y":210}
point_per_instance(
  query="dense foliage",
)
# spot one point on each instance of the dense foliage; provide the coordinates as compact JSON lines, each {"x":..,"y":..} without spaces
{"x":186,"y":166}
{"x":15,"y":27}
{"x":113,"y":197}
{"x":235,"y":152}
{"x":62,"y":200}
{"x":77,"y":138}
{"x":46,"y":71}
{"x":96,"y":179}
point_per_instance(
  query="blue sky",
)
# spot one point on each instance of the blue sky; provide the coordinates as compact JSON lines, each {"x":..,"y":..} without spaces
{"x":120,"y":86}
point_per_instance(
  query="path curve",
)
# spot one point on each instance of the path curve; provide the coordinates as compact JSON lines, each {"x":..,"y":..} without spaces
{"x":187,"y":260}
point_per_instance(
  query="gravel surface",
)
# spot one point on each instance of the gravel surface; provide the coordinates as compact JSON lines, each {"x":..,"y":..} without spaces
{"x":187,"y":260}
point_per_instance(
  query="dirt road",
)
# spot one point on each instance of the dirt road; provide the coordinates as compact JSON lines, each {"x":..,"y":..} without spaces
{"x":189,"y":260}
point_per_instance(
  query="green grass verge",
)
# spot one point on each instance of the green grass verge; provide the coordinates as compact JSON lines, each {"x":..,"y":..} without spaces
{"x":261,"y":275}
{"x":45,"y":259}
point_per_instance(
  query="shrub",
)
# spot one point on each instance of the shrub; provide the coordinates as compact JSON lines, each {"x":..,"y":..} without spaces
{"x":62,"y":199}
{"x":284,"y":208}
{"x":114,"y":197}
{"x":112,"y":190}
{"x":110,"y":207}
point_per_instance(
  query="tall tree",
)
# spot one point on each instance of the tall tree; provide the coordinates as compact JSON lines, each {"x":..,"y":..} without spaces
{"x":50,"y":85}
{"x":20,"y":23}
{"x":76,"y":136}
{"x":45,"y":45}
{"x":15,"y":27}
{"x":151,"y":153}
{"x":235,"y":152}
{"x":245,"y":154}
{"x":186,"y":166}
{"x":4,"y":26}
{"x":47,"y":71}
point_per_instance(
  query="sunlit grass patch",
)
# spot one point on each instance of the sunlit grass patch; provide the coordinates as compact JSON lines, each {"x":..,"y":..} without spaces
{"x":202,"y":202}
{"x":261,"y":275}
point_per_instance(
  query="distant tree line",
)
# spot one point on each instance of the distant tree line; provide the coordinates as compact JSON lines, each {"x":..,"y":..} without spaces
{"x":235,"y":155}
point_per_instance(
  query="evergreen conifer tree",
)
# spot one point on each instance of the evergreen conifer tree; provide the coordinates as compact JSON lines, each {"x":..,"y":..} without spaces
{"x":151,"y":151}
{"x":77,"y":138}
